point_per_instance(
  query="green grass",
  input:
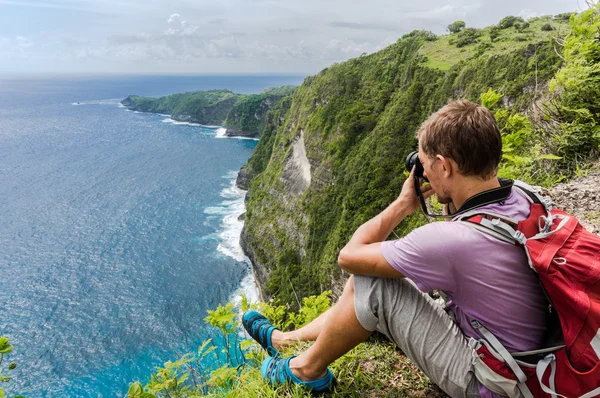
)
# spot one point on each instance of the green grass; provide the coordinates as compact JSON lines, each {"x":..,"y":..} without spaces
{"x":443,"y":55}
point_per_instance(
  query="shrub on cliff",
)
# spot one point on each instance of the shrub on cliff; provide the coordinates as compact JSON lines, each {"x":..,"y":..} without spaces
{"x":456,"y":26}
{"x":509,"y":21}
{"x":547,"y":27}
{"x":467,"y":36}
{"x":574,"y":115}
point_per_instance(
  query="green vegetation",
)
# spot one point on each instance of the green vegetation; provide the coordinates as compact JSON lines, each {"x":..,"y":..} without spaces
{"x":573,"y":115}
{"x":376,"y":368}
{"x":241,"y":114}
{"x":510,"y":21}
{"x":262,"y":153}
{"x":248,"y":114}
{"x":443,"y":53}
{"x":456,"y":26}
{"x":466,"y":36}
{"x":5,"y":349}
{"x":547,"y":27}
{"x":206,"y":107}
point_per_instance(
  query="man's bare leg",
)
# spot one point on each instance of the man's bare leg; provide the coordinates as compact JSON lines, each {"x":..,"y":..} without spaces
{"x":308,"y":332}
{"x":337,"y":333}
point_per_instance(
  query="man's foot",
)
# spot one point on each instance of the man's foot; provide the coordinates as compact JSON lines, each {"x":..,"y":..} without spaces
{"x":261,"y":330}
{"x":277,"y":371}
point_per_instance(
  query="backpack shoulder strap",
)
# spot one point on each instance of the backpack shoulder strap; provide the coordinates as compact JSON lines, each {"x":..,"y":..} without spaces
{"x":533,"y":196}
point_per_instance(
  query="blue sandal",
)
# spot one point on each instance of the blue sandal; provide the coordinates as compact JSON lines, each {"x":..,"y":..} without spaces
{"x":261,"y":330}
{"x":277,"y":371}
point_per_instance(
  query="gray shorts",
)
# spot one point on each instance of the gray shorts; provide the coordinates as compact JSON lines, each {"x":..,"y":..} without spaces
{"x":420,"y":328}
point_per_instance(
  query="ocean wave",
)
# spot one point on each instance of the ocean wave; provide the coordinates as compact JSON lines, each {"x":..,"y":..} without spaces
{"x":215,"y":210}
{"x":112,"y":101}
{"x":169,"y":120}
{"x":229,"y":236}
{"x":220,"y":133}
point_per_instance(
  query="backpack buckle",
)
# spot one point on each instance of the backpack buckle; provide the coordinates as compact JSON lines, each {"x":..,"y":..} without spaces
{"x":520,"y":237}
{"x":475,"y":323}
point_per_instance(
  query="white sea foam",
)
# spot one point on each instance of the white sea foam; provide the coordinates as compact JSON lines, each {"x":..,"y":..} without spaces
{"x":169,"y":120}
{"x":220,"y":133}
{"x":229,"y":237}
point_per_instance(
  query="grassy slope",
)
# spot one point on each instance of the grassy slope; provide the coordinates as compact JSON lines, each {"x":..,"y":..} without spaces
{"x":442,"y":55}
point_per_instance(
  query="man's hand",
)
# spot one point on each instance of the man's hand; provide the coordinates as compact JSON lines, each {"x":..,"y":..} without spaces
{"x":408,"y":199}
{"x":362,"y":254}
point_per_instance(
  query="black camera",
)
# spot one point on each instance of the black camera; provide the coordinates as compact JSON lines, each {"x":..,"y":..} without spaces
{"x":413,"y":160}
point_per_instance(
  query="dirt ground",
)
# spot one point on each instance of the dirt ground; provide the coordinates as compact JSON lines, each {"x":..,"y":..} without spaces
{"x":580,"y":197}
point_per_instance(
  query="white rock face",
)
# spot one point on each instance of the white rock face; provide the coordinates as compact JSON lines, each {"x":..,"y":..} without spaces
{"x":296,"y":175}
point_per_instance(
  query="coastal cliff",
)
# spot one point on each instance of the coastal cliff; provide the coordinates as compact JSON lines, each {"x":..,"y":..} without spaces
{"x":242,"y":115}
{"x":333,"y":156}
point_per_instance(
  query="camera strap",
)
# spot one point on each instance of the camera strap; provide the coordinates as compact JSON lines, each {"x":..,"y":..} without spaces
{"x":494,"y":195}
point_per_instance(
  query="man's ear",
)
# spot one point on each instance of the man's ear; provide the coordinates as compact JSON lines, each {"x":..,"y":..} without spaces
{"x":447,"y":165}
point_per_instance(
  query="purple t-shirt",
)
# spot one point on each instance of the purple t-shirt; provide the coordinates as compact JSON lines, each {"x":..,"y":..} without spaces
{"x":485,"y":278}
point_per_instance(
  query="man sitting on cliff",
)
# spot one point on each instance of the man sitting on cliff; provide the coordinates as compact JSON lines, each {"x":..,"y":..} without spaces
{"x":460,"y":148}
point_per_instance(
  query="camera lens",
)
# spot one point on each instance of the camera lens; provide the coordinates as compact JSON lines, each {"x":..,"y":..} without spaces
{"x":413,"y":160}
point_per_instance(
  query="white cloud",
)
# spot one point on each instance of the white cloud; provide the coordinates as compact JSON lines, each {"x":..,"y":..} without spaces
{"x":24,"y":42}
{"x":174,"y":19}
{"x":232,"y":35}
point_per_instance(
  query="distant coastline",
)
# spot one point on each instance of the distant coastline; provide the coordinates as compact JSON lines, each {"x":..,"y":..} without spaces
{"x":241,"y":115}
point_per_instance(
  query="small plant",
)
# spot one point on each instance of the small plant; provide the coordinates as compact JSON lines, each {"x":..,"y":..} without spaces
{"x":5,"y":349}
{"x":547,"y":27}
{"x":521,"y":26}
{"x":481,"y":49}
{"x":490,"y":98}
{"x":495,"y":32}
{"x":564,"y":17}
{"x":467,"y":36}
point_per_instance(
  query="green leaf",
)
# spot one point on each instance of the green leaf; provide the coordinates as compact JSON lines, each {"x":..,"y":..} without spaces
{"x":549,"y":156}
{"x":135,"y":390}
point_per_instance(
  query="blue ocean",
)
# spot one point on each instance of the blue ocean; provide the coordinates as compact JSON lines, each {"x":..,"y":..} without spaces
{"x":118,"y":229}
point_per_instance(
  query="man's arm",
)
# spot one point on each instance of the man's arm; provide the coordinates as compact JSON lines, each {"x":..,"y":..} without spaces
{"x":362,"y":254}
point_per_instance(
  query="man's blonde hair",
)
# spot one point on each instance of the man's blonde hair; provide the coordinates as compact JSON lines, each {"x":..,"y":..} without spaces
{"x":466,"y":133}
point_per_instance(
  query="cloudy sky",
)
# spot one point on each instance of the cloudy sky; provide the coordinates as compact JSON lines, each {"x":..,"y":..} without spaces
{"x":225,"y":36}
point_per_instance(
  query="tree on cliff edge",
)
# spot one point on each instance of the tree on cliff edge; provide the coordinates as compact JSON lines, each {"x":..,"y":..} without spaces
{"x":456,"y":26}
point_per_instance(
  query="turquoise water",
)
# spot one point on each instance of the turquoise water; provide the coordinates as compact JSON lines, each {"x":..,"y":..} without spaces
{"x":118,"y":230}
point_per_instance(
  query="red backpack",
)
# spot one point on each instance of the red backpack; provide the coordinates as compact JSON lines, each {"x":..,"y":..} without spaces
{"x":566,"y":258}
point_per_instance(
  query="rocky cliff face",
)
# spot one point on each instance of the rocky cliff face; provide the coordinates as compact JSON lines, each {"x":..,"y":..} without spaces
{"x":580,"y":197}
{"x":335,"y":157}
